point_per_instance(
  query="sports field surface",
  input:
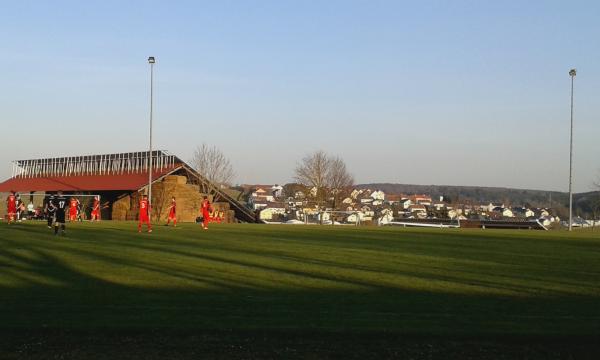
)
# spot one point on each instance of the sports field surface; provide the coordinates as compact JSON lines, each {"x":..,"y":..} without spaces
{"x":266,"y":291}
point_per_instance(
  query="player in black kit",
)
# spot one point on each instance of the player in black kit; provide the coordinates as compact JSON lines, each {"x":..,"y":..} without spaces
{"x":50,"y":209}
{"x":60,"y":203}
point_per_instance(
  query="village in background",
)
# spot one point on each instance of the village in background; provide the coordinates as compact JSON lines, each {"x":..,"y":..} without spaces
{"x":296,"y":203}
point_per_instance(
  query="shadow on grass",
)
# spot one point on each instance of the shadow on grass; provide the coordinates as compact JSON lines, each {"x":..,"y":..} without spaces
{"x":231,"y":299}
{"x":52,"y":293}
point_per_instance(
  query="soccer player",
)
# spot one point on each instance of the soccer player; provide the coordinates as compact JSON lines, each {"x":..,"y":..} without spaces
{"x":61,"y":203}
{"x":73,"y":206}
{"x":50,"y":210}
{"x":11,"y":207}
{"x":95,"y":209}
{"x":172,"y":213}
{"x":206,"y":209}
{"x":80,"y":211}
{"x":144,"y":214}
{"x":19,"y":207}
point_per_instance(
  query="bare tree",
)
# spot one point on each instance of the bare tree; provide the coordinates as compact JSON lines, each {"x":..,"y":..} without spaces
{"x":210,"y":162}
{"x":338,"y":178}
{"x":327,"y":174}
{"x":313,"y":170}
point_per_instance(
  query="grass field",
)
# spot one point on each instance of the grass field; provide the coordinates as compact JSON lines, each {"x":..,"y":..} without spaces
{"x":291,"y":291}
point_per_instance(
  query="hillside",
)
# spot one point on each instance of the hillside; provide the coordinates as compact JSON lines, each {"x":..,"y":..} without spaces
{"x":584,"y":202}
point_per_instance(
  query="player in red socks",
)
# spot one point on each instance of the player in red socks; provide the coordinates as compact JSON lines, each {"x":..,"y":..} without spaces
{"x":11,"y":206}
{"x":172,"y":213}
{"x":95,"y":216}
{"x":73,"y":205}
{"x":144,"y":214}
{"x":206,"y":209}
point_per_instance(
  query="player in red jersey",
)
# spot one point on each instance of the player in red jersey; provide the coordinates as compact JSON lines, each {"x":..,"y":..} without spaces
{"x":144,"y":214}
{"x":73,"y":206}
{"x":172,"y":213}
{"x":11,"y":205}
{"x":206,"y":209}
{"x":95,"y":209}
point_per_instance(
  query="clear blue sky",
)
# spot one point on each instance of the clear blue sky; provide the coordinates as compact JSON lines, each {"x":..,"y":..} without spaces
{"x":426,"y":92}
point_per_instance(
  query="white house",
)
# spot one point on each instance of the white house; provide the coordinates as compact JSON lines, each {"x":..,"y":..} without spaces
{"x":507,"y":213}
{"x":418,"y":209}
{"x":347,"y":200}
{"x":378,"y":195}
{"x":386,"y":216}
{"x":491,"y":206}
{"x":529,"y":213}
{"x":452,"y":214}
{"x":406,"y":203}
{"x":438,"y":205}
{"x":277,"y":190}
{"x":268,"y":212}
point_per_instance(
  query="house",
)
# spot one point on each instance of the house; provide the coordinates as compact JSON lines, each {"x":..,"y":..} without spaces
{"x":271,"y":210}
{"x":386,"y":216}
{"x":378,"y":195}
{"x":452,"y":214}
{"x":259,"y":205}
{"x":261,"y":193}
{"x":506,"y":212}
{"x":406,"y":203}
{"x":421,"y":199}
{"x":541,"y":213}
{"x":353,"y":218}
{"x":277,"y":190}
{"x":438,"y":205}
{"x":377,"y":202}
{"x":491,"y":206}
{"x":417,"y":209}
{"x":523,"y":212}
{"x":393,"y":199}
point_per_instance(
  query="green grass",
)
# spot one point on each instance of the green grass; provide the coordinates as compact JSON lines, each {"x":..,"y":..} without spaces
{"x":410,"y":282}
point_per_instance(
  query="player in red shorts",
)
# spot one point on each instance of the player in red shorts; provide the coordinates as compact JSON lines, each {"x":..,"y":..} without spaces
{"x":11,"y":205}
{"x":95,"y":209}
{"x":144,"y":214}
{"x":172,"y":213}
{"x":206,"y":209}
{"x":73,"y":206}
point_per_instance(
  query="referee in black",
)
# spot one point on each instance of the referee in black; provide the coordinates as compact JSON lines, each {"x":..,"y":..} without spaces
{"x":60,"y":203}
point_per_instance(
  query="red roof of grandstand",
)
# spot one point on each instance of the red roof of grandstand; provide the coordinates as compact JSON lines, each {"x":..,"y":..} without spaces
{"x":126,"y":181}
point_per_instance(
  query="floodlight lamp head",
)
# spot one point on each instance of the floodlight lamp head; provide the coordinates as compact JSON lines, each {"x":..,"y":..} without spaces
{"x":151,"y":60}
{"x":573,"y":72}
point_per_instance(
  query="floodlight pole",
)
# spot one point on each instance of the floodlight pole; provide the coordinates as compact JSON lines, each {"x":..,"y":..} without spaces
{"x":151,"y":61}
{"x":572,"y":73}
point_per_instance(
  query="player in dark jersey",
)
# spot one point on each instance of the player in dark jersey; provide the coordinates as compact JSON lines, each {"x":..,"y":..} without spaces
{"x":61,"y":203}
{"x":19,"y":208}
{"x":50,"y":210}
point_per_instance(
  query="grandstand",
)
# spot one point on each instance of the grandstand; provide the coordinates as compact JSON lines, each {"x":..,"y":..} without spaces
{"x":119,"y":179}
